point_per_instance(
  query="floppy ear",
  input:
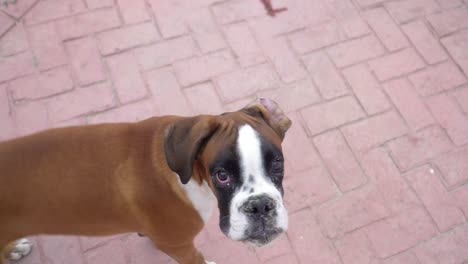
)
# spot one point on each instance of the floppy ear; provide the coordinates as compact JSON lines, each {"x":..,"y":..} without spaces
{"x":270,"y":111}
{"x":184,"y":141}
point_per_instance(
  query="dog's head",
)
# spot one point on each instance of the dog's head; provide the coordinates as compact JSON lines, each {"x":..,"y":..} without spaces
{"x":239,"y":155}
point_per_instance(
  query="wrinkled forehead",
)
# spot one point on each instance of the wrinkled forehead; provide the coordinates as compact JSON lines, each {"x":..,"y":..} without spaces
{"x":244,"y":140}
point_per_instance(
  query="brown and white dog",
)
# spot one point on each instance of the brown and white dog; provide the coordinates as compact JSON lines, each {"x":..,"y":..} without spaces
{"x":159,"y":177}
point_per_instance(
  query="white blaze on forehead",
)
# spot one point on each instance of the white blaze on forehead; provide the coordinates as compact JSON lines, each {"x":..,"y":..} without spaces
{"x":249,"y":147}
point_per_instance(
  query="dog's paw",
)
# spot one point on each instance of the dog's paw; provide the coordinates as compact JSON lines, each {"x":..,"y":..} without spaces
{"x":21,"y":248}
{"x":8,"y":2}
{"x":209,"y":262}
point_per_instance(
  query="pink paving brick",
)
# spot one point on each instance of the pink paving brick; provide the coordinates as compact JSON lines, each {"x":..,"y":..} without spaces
{"x":71,"y":122}
{"x":417,"y":148}
{"x":52,"y":9}
{"x":299,"y":158}
{"x":374,"y":131}
{"x":454,"y":166}
{"x":47,"y":83}
{"x":93,"y":4}
{"x":164,"y":53}
{"x":409,"y":104}
{"x":294,"y":96}
{"x":367,"y":3}
{"x":438,"y":78}
{"x":340,"y":160}
{"x":425,"y":42}
{"x":95,"y":98}
{"x":85,"y":60}
{"x":288,"y":258}
{"x":462,"y":98}
{"x":18,"y":9}
{"x":200,"y":69}
{"x":317,"y":37}
{"x":320,"y":118}
{"x":163,"y":84}
{"x":460,"y":197}
{"x":354,"y":51}
{"x":325,"y":75}
{"x":87,"y":23}
{"x":367,"y":89}
{"x":299,"y":195}
{"x":88,"y":243}
{"x":244,"y":45}
{"x":205,"y":31}
{"x":300,"y":14}
{"x":348,"y":18}
{"x":247,"y":81}
{"x":450,"y":117}
{"x":396,"y":64}
{"x":441,"y":206}
{"x":229,"y":252}
{"x":113,"y":251}
{"x":447,"y":4}
{"x":61,"y":249}
{"x":31,"y":117}
{"x":232,"y":11}
{"x":128,"y":81}
{"x":384,"y":174}
{"x":47,"y":46}
{"x":133,"y":11}
{"x":403,"y":258}
{"x":280,"y":247}
{"x":16,"y":66}
{"x":14,"y":41}
{"x":400,"y":232}
{"x":446,"y":248}
{"x":129,"y":113}
{"x":386,"y":29}
{"x":355,"y":248}
{"x":204,"y":99}
{"x":142,"y":250}
{"x":404,"y":11}
{"x":449,"y":21}
{"x":283,"y":58}
{"x":457,"y":45}
{"x":308,"y":242}
{"x":351,"y":211}
{"x":169,"y":17}
{"x":128,"y":37}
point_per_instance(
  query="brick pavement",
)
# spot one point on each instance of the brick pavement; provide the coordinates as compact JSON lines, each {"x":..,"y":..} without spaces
{"x":377,"y":90}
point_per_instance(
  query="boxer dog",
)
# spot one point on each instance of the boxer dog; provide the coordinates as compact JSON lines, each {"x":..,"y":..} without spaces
{"x":159,"y":177}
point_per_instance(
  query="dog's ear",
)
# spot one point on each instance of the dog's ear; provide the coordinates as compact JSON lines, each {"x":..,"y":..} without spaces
{"x":270,"y":111}
{"x":184,"y":140}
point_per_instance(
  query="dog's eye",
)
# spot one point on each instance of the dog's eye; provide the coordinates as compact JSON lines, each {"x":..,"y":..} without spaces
{"x":277,"y":165}
{"x":279,"y":158}
{"x":222,"y":176}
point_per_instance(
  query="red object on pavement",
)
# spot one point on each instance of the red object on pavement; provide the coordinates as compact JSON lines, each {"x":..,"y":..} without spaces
{"x":269,"y":8}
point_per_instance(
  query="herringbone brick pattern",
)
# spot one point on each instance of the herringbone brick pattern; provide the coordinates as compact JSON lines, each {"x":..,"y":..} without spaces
{"x":377,"y":158}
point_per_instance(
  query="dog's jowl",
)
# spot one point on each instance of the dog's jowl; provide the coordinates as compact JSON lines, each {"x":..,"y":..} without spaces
{"x":160,"y":177}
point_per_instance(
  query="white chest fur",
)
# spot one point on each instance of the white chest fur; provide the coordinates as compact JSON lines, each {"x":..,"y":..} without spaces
{"x":202,"y":198}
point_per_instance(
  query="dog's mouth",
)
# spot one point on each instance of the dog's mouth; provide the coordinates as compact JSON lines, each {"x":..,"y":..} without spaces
{"x":262,"y":236}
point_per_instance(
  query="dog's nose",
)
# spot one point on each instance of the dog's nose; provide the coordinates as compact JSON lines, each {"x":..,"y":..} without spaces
{"x":259,"y":205}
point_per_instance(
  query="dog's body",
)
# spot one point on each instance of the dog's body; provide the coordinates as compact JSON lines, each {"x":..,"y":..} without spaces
{"x":159,"y":177}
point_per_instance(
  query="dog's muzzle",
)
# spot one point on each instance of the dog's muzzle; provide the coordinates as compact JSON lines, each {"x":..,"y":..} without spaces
{"x":261,"y":212}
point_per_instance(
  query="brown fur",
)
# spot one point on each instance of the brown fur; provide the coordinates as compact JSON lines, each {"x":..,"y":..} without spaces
{"x":95,"y":180}
{"x":108,"y":179}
